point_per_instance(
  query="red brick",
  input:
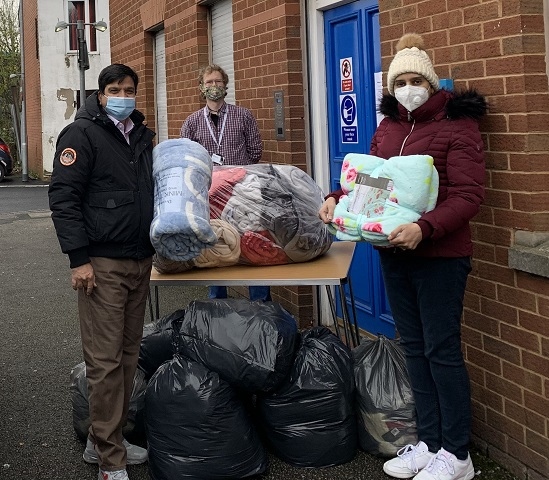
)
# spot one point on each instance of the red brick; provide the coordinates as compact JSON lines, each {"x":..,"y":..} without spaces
{"x":516,"y":7}
{"x":478,"y":357}
{"x":530,"y":83}
{"x":460,"y":4}
{"x":529,"y":162}
{"x":517,"y":181}
{"x":490,"y":434}
{"x":481,"y":286}
{"x":513,"y":429}
{"x":536,"y":363}
{"x":502,"y":27}
{"x":430,"y":7}
{"x":534,"y":323}
{"x":468,"y":70}
{"x":502,"y":255}
{"x":538,"y":284}
{"x":485,"y":215}
{"x":523,"y":378}
{"x":520,"y":338}
{"x":490,"y":234}
{"x":523,"y":44}
{"x":487,"y":397}
{"x":497,"y":198}
{"x":529,"y":419}
{"x":508,"y":103}
{"x":502,"y":350}
{"x":528,"y":456}
{"x":470,"y":336}
{"x":481,"y":13}
{"x":530,"y":202}
{"x":518,"y":298}
{"x":496,"y":310}
{"x":521,"y":220}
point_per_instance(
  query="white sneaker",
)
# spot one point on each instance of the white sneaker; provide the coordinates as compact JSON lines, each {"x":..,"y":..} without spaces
{"x":116,"y":475}
{"x":445,"y":466}
{"x":409,"y":461}
{"x":135,"y":454}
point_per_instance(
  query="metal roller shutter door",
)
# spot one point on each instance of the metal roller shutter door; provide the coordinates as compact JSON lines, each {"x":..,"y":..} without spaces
{"x":161,"y":96}
{"x":222,"y":41}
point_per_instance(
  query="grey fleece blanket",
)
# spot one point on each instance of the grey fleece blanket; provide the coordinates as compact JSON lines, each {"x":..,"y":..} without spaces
{"x":182,"y":172}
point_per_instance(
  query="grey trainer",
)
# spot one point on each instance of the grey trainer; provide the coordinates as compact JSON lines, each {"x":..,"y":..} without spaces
{"x":135,"y":454}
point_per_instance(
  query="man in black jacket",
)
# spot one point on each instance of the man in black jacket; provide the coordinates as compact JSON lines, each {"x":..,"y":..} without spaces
{"x":101,"y":198}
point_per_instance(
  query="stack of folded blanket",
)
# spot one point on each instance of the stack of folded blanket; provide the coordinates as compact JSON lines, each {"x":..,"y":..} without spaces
{"x":262,"y":215}
{"x":182,"y":172}
{"x":383,"y":194}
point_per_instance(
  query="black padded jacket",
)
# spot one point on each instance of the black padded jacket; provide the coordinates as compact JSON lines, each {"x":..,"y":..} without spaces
{"x":101,"y":191}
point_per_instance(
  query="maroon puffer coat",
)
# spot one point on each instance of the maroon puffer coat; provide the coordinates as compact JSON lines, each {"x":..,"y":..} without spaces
{"x":446,"y":128}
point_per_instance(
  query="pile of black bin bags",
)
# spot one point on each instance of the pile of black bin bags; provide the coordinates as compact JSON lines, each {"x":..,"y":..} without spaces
{"x":221,"y":379}
{"x":226,"y":375}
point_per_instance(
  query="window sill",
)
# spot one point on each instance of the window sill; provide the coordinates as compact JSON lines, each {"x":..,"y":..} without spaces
{"x":530,"y":253}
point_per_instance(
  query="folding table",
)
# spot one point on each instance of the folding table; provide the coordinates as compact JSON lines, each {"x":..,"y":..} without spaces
{"x":330,"y":269}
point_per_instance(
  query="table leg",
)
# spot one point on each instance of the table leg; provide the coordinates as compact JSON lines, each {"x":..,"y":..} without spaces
{"x":333,"y":309}
{"x":353,"y":307}
{"x":346,"y":319}
{"x":151,"y":313}
{"x":157,"y":302}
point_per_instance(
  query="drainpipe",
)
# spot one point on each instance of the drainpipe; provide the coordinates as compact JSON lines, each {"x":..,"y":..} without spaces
{"x":24,"y":157}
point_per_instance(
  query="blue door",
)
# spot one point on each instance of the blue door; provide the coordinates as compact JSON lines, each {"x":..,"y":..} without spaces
{"x":353,"y":59}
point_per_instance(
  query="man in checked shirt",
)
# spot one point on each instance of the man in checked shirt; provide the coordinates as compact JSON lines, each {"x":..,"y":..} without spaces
{"x":230,"y":135}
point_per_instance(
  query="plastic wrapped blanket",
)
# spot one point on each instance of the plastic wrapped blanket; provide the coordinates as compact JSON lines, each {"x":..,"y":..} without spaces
{"x":224,"y":253}
{"x":181,"y":228}
{"x":267,"y":214}
{"x":383,"y":194}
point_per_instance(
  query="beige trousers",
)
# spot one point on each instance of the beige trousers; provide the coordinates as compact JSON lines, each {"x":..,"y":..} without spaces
{"x":111,"y":327}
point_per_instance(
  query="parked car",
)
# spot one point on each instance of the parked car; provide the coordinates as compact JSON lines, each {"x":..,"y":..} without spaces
{"x":6,"y":162}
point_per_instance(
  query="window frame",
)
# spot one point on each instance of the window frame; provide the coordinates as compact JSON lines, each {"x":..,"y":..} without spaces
{"x":90,"y":16}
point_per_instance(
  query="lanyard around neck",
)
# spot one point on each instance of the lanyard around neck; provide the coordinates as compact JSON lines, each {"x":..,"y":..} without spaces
{"x":217,"y":142}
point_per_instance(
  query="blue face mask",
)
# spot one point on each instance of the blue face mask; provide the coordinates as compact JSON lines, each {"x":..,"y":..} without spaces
{"x":120,"y":107}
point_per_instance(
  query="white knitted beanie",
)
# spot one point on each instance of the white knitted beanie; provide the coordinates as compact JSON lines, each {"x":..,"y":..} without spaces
{"x":411,"y":58}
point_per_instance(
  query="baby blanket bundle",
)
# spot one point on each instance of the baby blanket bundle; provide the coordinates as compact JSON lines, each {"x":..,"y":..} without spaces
{"x":382,"y":194}
{"x":256,"y":214}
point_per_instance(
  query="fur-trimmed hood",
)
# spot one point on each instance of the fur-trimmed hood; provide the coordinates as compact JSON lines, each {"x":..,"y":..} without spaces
{"x":461,"y":104}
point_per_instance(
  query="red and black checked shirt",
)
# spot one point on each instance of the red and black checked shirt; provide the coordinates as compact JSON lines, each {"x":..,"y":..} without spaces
{"x":241,"y":142}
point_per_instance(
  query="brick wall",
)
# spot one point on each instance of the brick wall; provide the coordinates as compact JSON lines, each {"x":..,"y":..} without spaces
{"x":498,"y":48}
{"x":32,"y":91}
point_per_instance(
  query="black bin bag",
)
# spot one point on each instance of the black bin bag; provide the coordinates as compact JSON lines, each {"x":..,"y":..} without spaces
{"x":310,"y":420}
{"x":250,"y":344}
{"x":158,"y":343}
{"x":196,"y":426}
{"x":385,"y":403}
{"x":134,"y":430}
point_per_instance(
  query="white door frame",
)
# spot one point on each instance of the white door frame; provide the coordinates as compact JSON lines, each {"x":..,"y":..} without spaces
{"x":318,"y":109}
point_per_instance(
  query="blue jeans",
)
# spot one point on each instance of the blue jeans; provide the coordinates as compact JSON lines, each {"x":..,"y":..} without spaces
{"x":256,"y":293}
{"x":426,"y":299}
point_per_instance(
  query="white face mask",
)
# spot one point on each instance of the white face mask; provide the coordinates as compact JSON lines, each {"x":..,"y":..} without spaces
{"x":411,"y":97}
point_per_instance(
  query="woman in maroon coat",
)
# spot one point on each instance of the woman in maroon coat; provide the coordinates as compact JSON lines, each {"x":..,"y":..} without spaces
{"x":425,"y":271}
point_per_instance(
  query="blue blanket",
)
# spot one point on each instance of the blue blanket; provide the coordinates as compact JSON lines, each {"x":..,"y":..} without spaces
{"x":182,"y":172}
